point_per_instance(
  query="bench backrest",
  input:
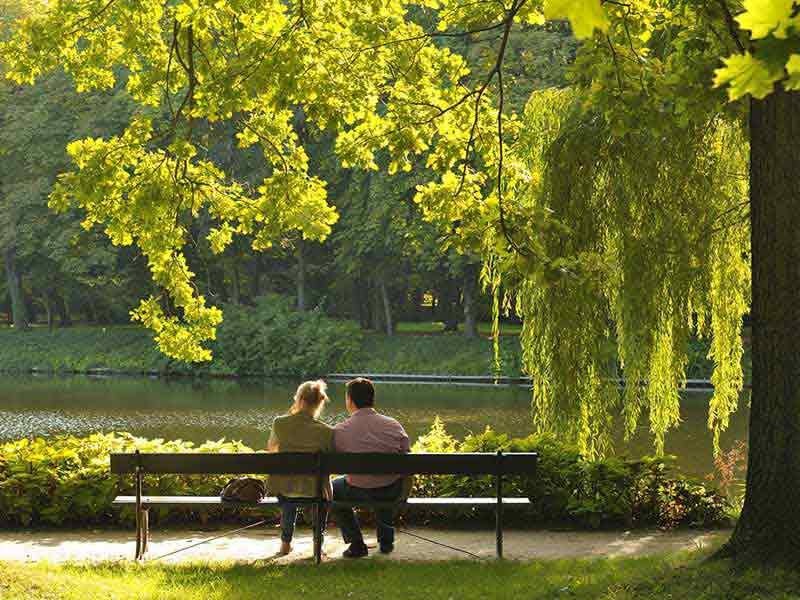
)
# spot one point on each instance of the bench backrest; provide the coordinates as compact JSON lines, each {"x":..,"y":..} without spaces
{"x":300,"y":463}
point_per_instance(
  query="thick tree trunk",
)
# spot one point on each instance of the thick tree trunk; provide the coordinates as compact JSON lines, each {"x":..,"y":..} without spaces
{"x":301,"y":276}
{"x":387,"y":307}
{"x":769,"y":529}
{"x":470,"y":324}
{"x":448,"y":305}
{"x":19,"y":310}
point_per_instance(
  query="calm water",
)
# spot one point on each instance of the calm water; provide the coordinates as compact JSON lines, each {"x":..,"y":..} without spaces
{"x":198,"y":410}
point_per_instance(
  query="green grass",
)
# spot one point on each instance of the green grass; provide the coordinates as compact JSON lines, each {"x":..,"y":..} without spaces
{"x":446,"y":354}
{"x":430,"y":327}
{"x":685,"y":577}
{"x":130,"y":349}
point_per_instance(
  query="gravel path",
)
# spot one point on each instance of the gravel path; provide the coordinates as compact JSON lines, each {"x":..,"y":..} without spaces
{"x":62,"y":546}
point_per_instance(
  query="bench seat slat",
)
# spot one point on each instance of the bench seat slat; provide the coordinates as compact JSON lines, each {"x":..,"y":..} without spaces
{"x":206,"y":501}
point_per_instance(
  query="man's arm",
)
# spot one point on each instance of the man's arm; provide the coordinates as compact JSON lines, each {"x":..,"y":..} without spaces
{"x":405,"y":443}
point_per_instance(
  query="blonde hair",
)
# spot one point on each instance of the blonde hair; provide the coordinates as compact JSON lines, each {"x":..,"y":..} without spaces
{"x":310,"y":398}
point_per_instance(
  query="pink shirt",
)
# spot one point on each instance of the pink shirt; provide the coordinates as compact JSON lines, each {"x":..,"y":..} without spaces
{"x":369,"y":431}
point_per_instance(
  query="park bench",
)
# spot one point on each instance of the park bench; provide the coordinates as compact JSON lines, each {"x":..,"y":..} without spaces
{"x":321,"y":466}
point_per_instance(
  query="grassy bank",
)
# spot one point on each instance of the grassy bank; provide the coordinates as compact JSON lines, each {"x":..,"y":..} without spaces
{"x":680,"y":578}
{"x":131,"y":350}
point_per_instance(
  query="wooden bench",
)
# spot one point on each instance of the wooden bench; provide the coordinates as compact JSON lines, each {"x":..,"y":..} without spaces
{"x":321,"y":466}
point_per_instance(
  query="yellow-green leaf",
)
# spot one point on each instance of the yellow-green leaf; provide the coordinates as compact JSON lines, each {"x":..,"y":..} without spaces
{"x":763,"y":17}
{"x":745,"y":74}
{"x":584,"y":15}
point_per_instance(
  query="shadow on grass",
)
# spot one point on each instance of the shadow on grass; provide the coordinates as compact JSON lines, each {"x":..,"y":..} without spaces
{"x":685,"y":576}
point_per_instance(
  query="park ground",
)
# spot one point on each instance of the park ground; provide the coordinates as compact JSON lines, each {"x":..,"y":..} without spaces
{"x":686,"y":576}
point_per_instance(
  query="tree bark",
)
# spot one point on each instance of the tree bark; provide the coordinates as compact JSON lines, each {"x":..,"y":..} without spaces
{"x":769,"y":530}
{"x":387,"y":307}
{"x":301,"y":277}
{"x":470,"y":324}
{"x":14,"y":281}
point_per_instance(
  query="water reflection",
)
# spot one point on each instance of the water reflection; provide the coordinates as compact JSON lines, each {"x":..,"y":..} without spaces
{"x":198,"y":410}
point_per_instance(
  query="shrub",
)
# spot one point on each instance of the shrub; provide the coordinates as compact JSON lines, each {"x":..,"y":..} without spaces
{"x":570,"y":490}
{"x":66,"y":481}
{"x":272,"y":339}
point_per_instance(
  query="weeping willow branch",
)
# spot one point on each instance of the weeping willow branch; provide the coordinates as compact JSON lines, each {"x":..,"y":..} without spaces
{"x":649,"y":267}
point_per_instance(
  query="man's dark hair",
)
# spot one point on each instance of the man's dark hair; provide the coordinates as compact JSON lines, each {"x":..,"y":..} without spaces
{"x":361,"y":392}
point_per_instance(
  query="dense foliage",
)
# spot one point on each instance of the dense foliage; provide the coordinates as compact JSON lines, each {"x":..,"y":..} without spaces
{"x":272,"y":339}
{"x":568,"y":488}
{"x":66,"y":481}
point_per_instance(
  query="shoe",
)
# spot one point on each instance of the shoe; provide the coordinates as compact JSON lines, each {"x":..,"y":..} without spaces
{"x":387,"y":548}
{"x":356,"y":551}
{"x":286,"y":548}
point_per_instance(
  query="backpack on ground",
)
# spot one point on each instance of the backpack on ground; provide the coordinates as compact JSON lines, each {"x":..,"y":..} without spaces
{"x":244,"y":489}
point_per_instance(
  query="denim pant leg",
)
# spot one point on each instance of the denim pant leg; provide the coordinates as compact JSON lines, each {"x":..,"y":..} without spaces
{"x":385,"y":527}
{"x":385,"y":517}
{"x":344,"y":515}
{"x":288,"y":519}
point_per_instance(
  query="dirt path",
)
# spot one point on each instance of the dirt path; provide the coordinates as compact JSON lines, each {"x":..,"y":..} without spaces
{"x":60,"y":546}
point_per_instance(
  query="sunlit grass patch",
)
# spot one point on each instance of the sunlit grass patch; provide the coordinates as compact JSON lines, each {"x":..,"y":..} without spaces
{"x":684,"y":576}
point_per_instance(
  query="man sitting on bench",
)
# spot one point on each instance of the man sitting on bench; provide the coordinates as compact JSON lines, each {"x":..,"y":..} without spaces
{"x":367,"y":431}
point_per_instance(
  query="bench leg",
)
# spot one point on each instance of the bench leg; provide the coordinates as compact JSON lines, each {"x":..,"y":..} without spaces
{"x":317,"y":520}
{"x":145,"y":530}
{"x":138,"y":554}
{"x":499,"y":512}
{"x":142,"y":532}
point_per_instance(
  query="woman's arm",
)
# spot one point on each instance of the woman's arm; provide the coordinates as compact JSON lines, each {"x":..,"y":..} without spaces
{"x":272,"y":444}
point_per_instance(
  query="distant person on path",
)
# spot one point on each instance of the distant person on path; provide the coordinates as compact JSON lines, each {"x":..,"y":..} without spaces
{"x":367,"y":431}
{"x":299,"y":431}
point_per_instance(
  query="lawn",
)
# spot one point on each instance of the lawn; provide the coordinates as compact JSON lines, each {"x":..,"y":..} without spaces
{"x":683,"y":577}
{"x":430,"y":327}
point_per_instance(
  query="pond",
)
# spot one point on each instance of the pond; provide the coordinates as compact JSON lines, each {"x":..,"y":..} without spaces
{"x":201,"y":409}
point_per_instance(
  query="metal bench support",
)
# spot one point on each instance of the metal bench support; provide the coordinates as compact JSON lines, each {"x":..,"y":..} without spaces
{"x":142,"y":517}
{"x":319,"y":512}
{"x":499,"y":507}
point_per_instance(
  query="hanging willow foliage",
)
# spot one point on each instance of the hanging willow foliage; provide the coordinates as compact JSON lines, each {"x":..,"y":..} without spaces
{"x":651,"y":246}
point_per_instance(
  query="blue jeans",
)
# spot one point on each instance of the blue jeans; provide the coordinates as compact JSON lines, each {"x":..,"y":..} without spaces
{"x":289,"y":517}
{"x":346,"y":517}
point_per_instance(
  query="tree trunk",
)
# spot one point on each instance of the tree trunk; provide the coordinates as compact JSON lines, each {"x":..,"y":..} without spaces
{"x":301,"y":276}
{"x":255,"y":285}
{"x":387,"y":307}
{"x":376,"y":308}
{"x":769,"y":530}
{"x":448,"y":305}
{"x":361,"y":307}
{"x":236,"y":289}
{"x":470,"y":325}
{"x":65,"y":316}
{"x":48,"y":308}
{"x":14,"y":281}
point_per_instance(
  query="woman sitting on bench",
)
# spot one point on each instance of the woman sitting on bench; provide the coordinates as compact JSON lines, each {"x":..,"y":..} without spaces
{"x":299,"y":431}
